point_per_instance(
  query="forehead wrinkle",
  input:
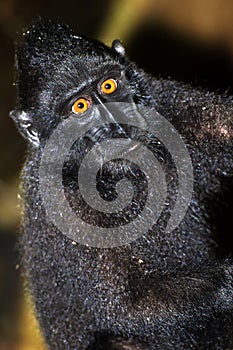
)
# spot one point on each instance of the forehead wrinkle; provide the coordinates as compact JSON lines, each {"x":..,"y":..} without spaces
{"x":86,"y":63}
{"x":76,"y":77}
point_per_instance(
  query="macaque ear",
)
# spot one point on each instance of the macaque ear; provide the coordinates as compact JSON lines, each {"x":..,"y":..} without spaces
{"x":25,"y":127}
{"x":118,"y":47}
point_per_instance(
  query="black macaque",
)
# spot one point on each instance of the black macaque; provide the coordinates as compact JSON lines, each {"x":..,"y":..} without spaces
{"x":163,"y":290}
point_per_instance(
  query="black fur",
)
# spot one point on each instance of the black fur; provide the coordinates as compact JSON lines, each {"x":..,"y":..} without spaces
{"x":164,"y":290}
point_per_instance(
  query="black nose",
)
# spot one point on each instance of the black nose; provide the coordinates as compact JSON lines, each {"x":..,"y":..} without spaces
{"x":109,"y":131}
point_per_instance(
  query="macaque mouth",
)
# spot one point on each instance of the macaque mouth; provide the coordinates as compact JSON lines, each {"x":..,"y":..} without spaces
{"x":107,"y":180}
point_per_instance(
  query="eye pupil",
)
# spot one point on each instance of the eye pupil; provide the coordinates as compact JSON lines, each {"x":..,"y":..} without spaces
{"x":81,"y":105}
{"x":108,"y":86}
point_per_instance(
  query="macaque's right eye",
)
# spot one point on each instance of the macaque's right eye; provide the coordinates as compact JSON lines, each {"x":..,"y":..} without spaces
{"x":80,"y":105}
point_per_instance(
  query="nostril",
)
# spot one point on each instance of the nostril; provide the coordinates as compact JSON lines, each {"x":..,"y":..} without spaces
{"x":95,"y":134}
{"x":118,"y":134}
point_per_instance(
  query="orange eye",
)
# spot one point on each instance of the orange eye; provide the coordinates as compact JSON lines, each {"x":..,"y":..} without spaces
{"x":109,"y":86}
{"x":80,"y":106}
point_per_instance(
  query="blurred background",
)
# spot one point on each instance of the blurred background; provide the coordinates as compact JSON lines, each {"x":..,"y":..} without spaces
{"x":186,"y":40}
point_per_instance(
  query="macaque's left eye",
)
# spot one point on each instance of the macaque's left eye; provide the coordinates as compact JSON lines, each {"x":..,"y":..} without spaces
{"x":108,"y":86}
